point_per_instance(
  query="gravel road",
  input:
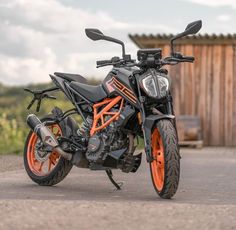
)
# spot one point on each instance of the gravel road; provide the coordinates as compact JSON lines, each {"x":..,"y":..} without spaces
{"x":87,"y":200}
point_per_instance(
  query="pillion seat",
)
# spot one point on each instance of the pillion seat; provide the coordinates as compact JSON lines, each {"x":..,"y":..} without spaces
{"x":90,"y":92}
{"x":71,"y":77}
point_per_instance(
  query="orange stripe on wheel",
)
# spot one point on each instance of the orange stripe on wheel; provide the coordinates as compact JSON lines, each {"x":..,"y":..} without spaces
{"x":42,"y":168}
{"x":158,"y":164}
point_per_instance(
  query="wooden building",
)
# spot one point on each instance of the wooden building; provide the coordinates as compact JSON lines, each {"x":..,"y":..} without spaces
{"x":206,"y":88}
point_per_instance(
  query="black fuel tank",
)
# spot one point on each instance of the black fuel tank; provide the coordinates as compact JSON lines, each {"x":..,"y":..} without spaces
{"x":117,"y":83}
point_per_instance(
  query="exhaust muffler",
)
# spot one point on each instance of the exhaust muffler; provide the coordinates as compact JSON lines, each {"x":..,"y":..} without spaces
{"x":45,"y":135}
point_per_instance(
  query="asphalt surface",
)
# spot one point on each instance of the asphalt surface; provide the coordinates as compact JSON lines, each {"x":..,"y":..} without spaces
{"x":206,"y":198}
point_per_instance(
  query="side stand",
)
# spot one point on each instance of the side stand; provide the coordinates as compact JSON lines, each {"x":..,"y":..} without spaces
{"x":110,"y":176}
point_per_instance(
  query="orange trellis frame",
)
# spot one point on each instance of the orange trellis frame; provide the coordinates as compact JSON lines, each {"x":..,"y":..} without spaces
{"x":100,"y":116}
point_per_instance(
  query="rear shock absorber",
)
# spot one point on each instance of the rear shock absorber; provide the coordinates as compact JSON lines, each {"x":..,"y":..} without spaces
{"x":84,"y":129}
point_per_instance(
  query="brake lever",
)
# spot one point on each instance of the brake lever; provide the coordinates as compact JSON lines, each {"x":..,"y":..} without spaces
{"x":183,"y":58}
{"x":170,"y":61}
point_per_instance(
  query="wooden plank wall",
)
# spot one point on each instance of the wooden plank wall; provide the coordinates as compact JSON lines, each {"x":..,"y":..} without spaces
{"x":207,"y":88}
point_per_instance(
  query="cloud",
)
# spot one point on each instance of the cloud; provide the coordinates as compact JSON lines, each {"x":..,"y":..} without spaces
{"x":215,"y":3}
{"x":224,"y":18}
{"x":41,"y":37}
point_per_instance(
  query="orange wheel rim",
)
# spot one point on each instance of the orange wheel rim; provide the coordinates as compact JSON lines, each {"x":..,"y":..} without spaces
{"x":42,"y":168}
{"x":158,"y":164}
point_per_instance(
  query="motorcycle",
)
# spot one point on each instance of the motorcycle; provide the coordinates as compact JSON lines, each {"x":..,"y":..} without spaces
{"x":133,"y":101}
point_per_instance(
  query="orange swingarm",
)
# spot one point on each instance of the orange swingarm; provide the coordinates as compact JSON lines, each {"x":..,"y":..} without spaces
{"x":99,"y":119}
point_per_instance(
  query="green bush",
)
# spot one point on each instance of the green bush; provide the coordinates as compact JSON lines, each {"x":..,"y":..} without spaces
{"x":12,"y":135}
{"x":13,"y":113}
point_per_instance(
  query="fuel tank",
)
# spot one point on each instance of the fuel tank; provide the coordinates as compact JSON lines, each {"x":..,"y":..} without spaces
{"x":117,"y":82}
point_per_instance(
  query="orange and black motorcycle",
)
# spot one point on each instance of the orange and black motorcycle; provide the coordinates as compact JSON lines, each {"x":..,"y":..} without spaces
{"x":133,"y":101}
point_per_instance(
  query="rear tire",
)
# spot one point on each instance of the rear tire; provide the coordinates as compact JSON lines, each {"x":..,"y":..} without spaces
{"x":58,"y":171}
{"x":165,"y":168}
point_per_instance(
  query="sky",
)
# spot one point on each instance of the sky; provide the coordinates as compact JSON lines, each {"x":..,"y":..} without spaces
{"x":39,"y":37}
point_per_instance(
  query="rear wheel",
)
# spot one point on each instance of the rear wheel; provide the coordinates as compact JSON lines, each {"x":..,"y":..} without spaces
{"x":165,"y":168}
{"x":49,"y":169}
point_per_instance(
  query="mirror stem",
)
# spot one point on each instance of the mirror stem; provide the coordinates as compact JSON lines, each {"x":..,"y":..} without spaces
{"x":171,"y":47}
{"x":123,"y":50}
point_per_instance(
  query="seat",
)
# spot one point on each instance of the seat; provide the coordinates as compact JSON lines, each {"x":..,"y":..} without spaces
{"x":90,"y":92}
{"x":71,"y":77}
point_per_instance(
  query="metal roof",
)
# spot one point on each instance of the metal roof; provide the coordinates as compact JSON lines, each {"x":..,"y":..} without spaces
{"x":144,"y":40}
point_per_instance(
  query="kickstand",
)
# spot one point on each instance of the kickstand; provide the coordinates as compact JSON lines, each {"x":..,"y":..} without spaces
{"x":110,"y":176}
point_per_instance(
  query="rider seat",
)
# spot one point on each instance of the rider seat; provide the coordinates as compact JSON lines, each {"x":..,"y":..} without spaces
{"x":71,"y":77}
{"x":90,"y":92}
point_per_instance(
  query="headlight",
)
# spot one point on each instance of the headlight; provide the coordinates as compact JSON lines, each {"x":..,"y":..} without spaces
{"x":163,"y":85}
{"x":150,"y":86}
{"x":155,"y":85}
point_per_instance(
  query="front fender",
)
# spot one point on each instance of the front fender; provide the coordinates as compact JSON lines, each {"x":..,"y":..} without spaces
{"x":147,"y":130}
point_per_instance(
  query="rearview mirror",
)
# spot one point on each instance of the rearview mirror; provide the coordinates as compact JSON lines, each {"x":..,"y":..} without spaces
{"x":94,"y":34}
{"x":191,"y":28}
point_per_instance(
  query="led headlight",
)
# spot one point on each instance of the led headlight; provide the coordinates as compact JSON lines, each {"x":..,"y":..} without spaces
{"x":155,"y":85}
{"x":163,"y":85}
{"x":149,"y":86}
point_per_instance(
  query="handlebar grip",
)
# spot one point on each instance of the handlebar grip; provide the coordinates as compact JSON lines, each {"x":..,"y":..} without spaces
{"x":103,"y":62}
{"x":189,"y":58}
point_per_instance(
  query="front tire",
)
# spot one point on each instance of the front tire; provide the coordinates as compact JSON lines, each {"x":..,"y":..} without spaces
{"x":165,"y":168}
{"x":51,"y":171}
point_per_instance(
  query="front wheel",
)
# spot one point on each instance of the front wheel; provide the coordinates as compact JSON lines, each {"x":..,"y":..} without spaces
{"x":165,"y":168}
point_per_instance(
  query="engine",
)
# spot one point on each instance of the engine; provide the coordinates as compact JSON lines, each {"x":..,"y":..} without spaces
{"x":101,"y":143}
{"x":109,"y":139}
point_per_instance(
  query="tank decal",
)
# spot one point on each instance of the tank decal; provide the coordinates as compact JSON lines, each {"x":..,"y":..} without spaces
{"x":124,"y":90}
{"x":109,"y":86}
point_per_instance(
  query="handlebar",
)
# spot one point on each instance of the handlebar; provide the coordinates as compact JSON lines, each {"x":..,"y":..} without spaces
{"x":103,"y":62}
{"x":172,"y":60}
{"x":189,"y":58}
{"x":112,"y":61}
